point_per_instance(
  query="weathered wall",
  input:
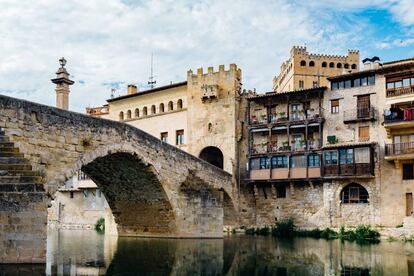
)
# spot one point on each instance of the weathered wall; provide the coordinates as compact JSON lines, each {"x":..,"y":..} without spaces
{"x":58,"y":143}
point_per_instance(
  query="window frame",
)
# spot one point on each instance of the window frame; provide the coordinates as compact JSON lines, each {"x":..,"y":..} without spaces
{"x":335,"y":108}
{"x":179,"y":137}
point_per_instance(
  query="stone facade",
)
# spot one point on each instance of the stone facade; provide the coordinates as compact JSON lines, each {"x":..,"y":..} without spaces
{"x":135,"y":171}
{"x":304,"y":70}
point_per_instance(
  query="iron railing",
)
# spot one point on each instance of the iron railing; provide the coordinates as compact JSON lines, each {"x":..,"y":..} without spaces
{"x":399,"y":148}
{"x":395,"y":116}
{"x":394,"y":92}
{"x":356,"y":114}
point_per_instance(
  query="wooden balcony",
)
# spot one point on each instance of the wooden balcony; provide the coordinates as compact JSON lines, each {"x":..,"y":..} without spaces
{"x":355,"y":169}
{"x":395,"y":92}
{"x":263,"y":174}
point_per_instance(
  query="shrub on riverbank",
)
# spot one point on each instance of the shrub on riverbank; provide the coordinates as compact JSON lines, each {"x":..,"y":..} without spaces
{"x":286,"y":229}
{"x":100,"y":225}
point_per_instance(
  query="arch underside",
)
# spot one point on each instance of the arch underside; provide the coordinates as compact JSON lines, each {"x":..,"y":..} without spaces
{"x":134,"y":193}
{"x":213,"y":155}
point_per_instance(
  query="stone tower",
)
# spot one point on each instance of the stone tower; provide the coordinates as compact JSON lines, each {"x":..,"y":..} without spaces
{"x":62,"y":82}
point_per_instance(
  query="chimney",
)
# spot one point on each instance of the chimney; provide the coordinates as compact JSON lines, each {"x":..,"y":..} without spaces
{"x":367,"y":65}
{"x":132,"y":89}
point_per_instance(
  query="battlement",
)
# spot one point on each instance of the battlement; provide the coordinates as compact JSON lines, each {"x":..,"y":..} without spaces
{"x":301,"y":50}
{"x":210,"y":71}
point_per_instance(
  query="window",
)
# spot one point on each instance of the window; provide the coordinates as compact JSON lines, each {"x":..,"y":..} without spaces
{"x":346,"y":156}
{"x":295,"y":112}
{"x":170,"y":106}
{"x":298,"y":161}
{"x":180,"y":104}
{"x":145,"y":111}
{"x":85,"y":193}
{"x":354,"y":193}
{"x":398,"y":84}
{"x":301,"y":84}
{"x":315,"y":84}
{"x":364,"y":81}
{"x":136,"y":112}
{"x":331,"y":65}
{"x":260,"y":163}
{"x":179,"y":137}
{"x":390,"y":85}
{"x":406,"y":82}
{"x":121,"y":116}
{"x":161,"y":107}
{"x":348,"y":84}
{"x":334,"y":86}
{"x":324,"y":64}
{"x":210,"y":127}
{"x":312,"y":63}
{"x":313,"y":160}
{"x":363,"y":133}
{"x":354,"y":66}
{"x":280,"y":162}
{"x":153,"y":111}
{"x":281,"y":191}
{"x":164,"y":137}
{"x":334,"y":106}
{"x":71,"y":194}
{"x":362,"y":155}
{"x":303,"y":63}
{"x":339,"y":65}
{"x":357,"y":82}
{"x":371,"y":80}
{"x":331,"y":157}
{"x":341,"y":85}
{"x":346,"y":65}
{"x":129,"y":114}
{"x":408,"y":171}
{"x":98,"y":193}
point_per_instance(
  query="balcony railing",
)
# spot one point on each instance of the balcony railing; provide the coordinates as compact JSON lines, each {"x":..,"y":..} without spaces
{"x":354,"y":169}
{"x":398,"y":115}
{"x":282,"y":117}
{"x":359,"y":114}
{"x":285,"y":147}
{"x":394,"y":92}
{"x":399,"y":148}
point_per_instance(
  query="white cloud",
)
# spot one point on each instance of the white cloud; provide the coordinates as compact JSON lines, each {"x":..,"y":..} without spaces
{"x":111,"y":41}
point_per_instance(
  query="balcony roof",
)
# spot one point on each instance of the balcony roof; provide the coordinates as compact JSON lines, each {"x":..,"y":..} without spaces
{"x":349,"y":144}
{"x":283,"y":94}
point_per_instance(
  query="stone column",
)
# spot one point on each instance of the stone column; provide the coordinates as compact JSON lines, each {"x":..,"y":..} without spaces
{"x":62,"y":82}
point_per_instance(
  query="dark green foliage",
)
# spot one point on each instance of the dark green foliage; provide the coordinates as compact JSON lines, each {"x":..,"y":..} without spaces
{"x":284,"y":228}
{"x":364,"y":233}
{"x":329,"y":234}
{"x":100,"y":225}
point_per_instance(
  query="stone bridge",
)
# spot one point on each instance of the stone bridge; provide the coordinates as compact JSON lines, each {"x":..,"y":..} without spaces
{"x":153,"y":188}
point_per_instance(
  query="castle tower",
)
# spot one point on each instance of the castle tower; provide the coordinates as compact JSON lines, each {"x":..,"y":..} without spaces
{"x":62,"y":82}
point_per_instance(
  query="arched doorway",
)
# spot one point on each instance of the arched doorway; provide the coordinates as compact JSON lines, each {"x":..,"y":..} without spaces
{"x":213,"y":156}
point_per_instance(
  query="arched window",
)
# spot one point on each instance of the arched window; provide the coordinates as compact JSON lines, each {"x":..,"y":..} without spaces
{"x":180,"y":104}
{"x":170,"y":106}
{"x":346,"y":65}
{"x":303,"y":63}
{"x":136,"y":112}
{"x":324,"y":64}
{"x":129,"y":114}
{"x":312,"y":63}
{"x":331,"y":65}
{"x":354,"y":193}
{"x":161,"y":107}
{"x":145,"y":111}
{"x":353,"y":66}
{"x":153,"y":111}
{"x":339,"y":65}
{"x":121,"y":116}
{"x":210,"y":127}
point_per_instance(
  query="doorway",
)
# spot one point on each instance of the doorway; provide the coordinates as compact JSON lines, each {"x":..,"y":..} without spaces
{"x":408,"y":204}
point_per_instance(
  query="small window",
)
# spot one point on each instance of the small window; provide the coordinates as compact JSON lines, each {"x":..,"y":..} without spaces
{"x":298,"y":161}
{"x":346,"y":66}
{"x":346,"y":156}
{"x":170,"y":106}
{"x":324,"y":64}
{"x":354,"y":66}
{"x":145,"y":111}
{"x":334,"y":86}
{"x":331,"y":157}
{"x":301,"y":84}
{"x":341,"y":85}
{"x":71,"y":194}
{"x":406,"y":82}
{"x":354,"y":193}
{"x":259,"y":163}
{"x":129,"y":114}
{"x":390,"y":85}
{"x":371,"y":80}
{"x":357,"y":82}
{"x":363,"y":133}
{"x":331,"y":65}
{"x":180,"y":104}
{"x":179,"y":137}
{"x":398,"y":84}
{"x":153,"y":111}
{"x":121,"y":116}
{"x":315,"y":84}
{"x":312,"y":63}
{"x":334,"y":106}
{"x":348,"y":84}
{"x":313,"y":160}
{"x":364,"y":81}
{"x":408,"y":171}
{"x":136,"y":112}
{"x":210,"y":127}
{"x":280,"y":162}
{"x":161,"y":107}
{"x":281,"y":191}
{"x":303,"y":63}
{"x":339,"y":65}
{"x":164,"y":136}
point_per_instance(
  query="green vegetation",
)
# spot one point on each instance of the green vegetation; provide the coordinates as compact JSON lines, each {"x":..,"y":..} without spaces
{"x":399,"y":226}
{"x":100,"y":225}
{"x":286,"y":229}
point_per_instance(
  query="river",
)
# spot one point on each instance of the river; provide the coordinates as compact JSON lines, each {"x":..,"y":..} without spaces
{"x":82,"y":252}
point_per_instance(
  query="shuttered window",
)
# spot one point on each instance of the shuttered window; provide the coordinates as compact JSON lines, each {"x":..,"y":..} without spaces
{"x":363,"y":133}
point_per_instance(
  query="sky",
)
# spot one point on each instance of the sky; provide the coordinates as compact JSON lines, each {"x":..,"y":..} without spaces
{"x":108,"y":44}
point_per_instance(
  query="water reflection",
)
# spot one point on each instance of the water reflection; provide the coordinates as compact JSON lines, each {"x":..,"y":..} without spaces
{"x":87,"y":253}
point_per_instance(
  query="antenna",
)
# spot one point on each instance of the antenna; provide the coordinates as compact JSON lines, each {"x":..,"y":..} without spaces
{"x":113,"y":93}
{"x":152,"y":80}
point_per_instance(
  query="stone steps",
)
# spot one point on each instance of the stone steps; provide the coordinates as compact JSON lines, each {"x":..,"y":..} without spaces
{"x":11,"y":154}
{"x":21,"y":173}
{"x":9,"y":149}
{"x":15,"y":167}
{"x":13,"y":160}
{"x":19,"y":179}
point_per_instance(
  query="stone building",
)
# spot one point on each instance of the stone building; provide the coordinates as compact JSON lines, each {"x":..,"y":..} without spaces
{"x":199,"y":115}
{"x":304,"y":70}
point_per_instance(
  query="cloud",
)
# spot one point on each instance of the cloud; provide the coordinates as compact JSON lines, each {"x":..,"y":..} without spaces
{"x":108,"y":44}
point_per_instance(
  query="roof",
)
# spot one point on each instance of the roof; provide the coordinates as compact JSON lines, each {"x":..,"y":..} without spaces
{"x":389,"y":67}
{"x":400,"y":60}
{"x":348,"y":144}
{"x":157,"y":89}
{"x":284,"y":93}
